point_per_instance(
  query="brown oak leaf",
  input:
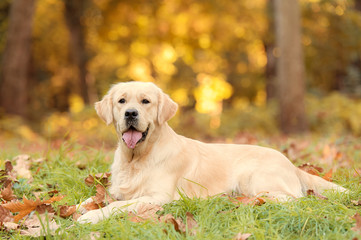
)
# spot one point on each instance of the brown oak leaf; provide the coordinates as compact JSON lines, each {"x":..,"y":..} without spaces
{"x":27,"y":206}
{"x":66,"y":211}
{"x":5,"y":215}
{"x":311,"y":169}
{"x":102,"y":195}
{"x":7,"y":175}
{"x":102,"y":178}
{"x":42,"y":208}
{"x":181,"y":227}
{"x":178,"y":224}
{"x":7,"y":193}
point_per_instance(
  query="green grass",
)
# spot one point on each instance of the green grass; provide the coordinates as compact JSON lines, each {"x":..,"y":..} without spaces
{"x":217,"y":217}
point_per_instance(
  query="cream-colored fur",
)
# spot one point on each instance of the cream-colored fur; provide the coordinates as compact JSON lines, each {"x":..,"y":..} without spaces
{"x":166,"y":163}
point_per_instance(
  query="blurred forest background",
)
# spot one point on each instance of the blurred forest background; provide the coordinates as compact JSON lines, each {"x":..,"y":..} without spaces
{"x":260,"y":66}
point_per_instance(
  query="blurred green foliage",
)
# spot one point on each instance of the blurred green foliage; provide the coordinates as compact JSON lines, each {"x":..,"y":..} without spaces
{"x":209,"y":56}
{"x":333,"y":115}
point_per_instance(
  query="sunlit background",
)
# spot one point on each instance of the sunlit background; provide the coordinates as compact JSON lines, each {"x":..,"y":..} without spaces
{"x":214,"y":58}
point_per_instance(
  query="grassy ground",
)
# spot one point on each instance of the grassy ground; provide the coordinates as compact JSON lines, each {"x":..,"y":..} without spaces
{"x":218,"y":218}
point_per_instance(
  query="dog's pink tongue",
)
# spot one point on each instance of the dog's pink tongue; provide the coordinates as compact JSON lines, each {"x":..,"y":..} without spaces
{"x":131,"y":137}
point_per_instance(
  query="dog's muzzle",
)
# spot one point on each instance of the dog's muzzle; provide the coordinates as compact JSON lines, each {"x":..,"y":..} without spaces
{"x":132,"y":136}
{"x":131,"y":117}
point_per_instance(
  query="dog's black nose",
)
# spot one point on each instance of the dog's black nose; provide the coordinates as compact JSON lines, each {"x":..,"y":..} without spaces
{"x":131,"y":114}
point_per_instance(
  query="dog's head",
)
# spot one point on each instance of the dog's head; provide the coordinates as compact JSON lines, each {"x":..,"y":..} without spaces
{"x":136,"y":109}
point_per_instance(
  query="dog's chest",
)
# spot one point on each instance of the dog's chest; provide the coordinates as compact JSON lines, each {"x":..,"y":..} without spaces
{"x":128,"y":182}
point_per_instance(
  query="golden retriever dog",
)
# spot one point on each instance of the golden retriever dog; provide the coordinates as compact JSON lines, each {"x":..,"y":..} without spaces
{"x":152,"y":163}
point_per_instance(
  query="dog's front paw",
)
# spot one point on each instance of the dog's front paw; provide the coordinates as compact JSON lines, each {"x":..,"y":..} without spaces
{"x":93,"y":217}
{"x":81,"y":208}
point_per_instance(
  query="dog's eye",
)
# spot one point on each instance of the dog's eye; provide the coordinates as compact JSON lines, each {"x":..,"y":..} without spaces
{"x":145,"y":101}
{"x":122,"y":100}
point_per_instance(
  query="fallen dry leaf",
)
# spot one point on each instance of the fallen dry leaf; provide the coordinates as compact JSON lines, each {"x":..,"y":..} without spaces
{"x":38,"y":226}
{"x":5,"y":215}
{"x":328,"y":175}
{"x":291,"y":152}
{"x":149,"y":211}
{"x":27,"y":206}
{"x":76,"y":215}
{"x":242,"y":236}
{"x":7,"y":193}
{"x":42,"y":208}
{"x":8,"y":166}
{"x":35,"y":220}
{"x":253,"y":201}
{"x":190,"y":226}
{"x":102,"y":196}
{"x":191,"y":223}
{"x":23,"y":208}
{"x":178,"y":224}
{"x":66,"y":211}
{"x":54,"y":199}
{"x":92,"y":206}
{"x":330,"y":153}
{"x":53,"y":192}
{"x":22,"y":167}
{"x":311,"y":192}
{"x":311,"y":169}
{"x":7,"y":176}
{"x":9,"y":226}
{"x":295,"y":151}
{"x":146,"y":211}
{"x":102,"y":178}
{"x":357,"y":227}
{"x":89,"y":180}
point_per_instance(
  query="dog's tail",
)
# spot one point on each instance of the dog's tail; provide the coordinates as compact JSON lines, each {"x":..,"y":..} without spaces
{"x":316,"y":183}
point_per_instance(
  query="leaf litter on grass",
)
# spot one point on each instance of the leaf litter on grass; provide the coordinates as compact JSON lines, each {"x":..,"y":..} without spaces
{"x":10,"y":203}
{"x":102,"y":198}
{"x":148,"y":212}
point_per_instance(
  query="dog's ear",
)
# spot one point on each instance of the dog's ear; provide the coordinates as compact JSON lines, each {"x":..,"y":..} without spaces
{"x":104,"y":109}
{"x":167,"y":108}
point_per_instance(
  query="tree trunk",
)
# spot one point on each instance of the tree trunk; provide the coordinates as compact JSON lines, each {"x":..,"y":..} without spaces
{"x":358,"y":5}
{"x":290,"y":67}
{"x":16,"y":59}
{"x":73,"y":14}
{"x":269,"y":45}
